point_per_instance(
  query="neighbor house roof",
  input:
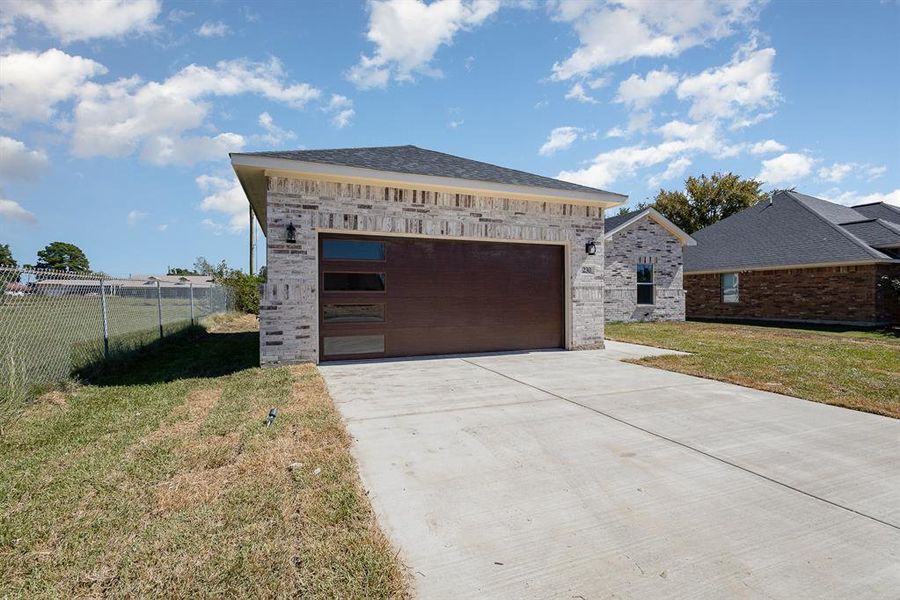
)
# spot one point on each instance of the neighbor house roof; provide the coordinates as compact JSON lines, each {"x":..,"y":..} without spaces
{"x":792,"y":230}
{"x":408,"y":166}
{"x":617,"y":223}
{"x":879,"y":210}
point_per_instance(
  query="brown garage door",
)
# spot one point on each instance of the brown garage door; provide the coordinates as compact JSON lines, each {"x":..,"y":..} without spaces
{"x":393,"y":296}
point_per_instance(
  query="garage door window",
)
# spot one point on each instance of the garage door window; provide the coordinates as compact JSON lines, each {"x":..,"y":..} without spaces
{"x":353,"y":344}
{"x":353,"y":313}
{"x":354,"y":282}
{"x":352,"y":250}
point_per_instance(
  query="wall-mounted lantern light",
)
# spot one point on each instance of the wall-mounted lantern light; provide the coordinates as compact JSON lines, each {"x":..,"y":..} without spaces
{"x":291,"y":234}
{"x":590,"y":248}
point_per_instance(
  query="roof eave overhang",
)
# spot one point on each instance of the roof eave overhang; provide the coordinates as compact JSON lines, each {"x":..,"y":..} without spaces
{"x":850,"y":263}
{"x":252,"y":171}
{"x":658,"y":217}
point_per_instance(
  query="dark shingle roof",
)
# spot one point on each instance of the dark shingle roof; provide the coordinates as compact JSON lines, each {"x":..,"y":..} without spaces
{"x":615,"y":221}
{"x":880,"y":210}
{"x":419,"y":161}
{"x":794,"y":229}
{"x":878,"y":233}
{"x":835,"y":213}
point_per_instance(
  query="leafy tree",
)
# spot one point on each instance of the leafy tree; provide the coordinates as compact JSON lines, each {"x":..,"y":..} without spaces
{"x":204,"y":267}
{"x":6,"y":257}
{"x":180,"y":271}
{"x":245,"y":287}
{"x":63,"y":256}
{"x":624,"y":210}
{"x":708,"y":200}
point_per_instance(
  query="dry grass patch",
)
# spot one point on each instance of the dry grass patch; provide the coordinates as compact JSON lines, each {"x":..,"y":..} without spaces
{"x":175,"y":488}
{"x":859,"y":370}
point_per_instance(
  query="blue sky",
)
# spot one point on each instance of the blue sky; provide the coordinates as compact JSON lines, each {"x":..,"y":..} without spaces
{"x":116,"y":118}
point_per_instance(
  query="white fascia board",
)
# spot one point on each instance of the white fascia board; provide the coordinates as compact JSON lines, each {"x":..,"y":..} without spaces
{"x":286,"y":167}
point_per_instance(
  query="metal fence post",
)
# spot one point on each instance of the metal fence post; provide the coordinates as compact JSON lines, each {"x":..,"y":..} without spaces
{"x":159,"y":307}
{"x":192,"y":303}
{"x":105,"y":322}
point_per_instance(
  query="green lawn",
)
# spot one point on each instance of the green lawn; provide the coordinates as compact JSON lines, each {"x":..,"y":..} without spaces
{"x":43,"y":339}
{"x":854,"y":369}
{"x":158,"y":479}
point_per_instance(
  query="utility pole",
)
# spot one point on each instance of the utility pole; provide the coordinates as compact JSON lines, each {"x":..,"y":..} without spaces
{"x":252,"y":243}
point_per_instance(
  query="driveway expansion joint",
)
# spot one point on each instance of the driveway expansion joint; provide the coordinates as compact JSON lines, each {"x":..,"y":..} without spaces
{"x":687,"y":446}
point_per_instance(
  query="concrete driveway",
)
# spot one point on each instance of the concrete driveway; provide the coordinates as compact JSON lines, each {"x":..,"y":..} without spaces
{"x":575,"y":475}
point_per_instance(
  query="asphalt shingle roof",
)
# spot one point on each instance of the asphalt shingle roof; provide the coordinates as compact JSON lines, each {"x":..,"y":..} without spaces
{"x":794,"y":229}
{"x":419,"y":161}
{"x":878,"y":233}
{"x":615,"y":221}
{"x":880,"y":210}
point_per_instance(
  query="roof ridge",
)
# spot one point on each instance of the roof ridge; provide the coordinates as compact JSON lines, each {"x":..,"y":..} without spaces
{"x":859,"y":242}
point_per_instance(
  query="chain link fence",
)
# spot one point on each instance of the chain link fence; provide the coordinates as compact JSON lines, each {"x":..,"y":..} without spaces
{"x":53,"y":323}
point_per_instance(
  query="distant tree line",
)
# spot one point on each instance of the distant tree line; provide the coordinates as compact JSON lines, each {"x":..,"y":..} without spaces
{"x":63,"y":256}
{"x":59,"y":256}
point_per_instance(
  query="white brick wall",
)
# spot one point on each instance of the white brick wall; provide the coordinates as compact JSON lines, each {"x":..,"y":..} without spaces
{"x":289,"y":308}
{"x":644,"y":239}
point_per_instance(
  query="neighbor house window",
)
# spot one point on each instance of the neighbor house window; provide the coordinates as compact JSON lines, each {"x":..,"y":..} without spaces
{"x":645,"y":283}
{"x":730,"y":292}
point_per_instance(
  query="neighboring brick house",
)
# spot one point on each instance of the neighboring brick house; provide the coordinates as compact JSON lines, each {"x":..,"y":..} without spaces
{"x":398,"y":251}
{"x":644,"y":266}
{"x":798,"y":258}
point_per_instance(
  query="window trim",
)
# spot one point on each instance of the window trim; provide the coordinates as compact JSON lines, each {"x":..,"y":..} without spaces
{"x":737,"y":288}
{"x":651,"y":283}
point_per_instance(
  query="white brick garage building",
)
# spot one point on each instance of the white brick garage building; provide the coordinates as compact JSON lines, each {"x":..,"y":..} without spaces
{"x":399,"y":251}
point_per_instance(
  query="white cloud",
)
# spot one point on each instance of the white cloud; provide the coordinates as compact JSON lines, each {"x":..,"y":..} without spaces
{"x":342,"y":111}
{"x":343,"y":118}
{"x":855,"y":198}
{"x":680,"y":142}
{"x":745,"y":122}
{"x":408,"y":33}
{"x":84,"y":20}
{"x":134,"y":216}
{"x":164,"y":150}
{"x":10,"y":210}
{"x":766,"y":147}
{"x":18,"y":162}
{"x":875,"y":171}
{"x":610,"y":34}
{"x":561,"y":138}
{"x":119,"y":118}
{"x":786,"y":168}
{"x":675,"y":169}
{"x":33,"y":84}
{"x":211,"y":29}
{"x":577,"y":93}
{"x":224,"y":195}
{"x":735,"y":90}
{"x":164,"y":227}
{"x":836,"y":172}
{"x":274,"y":134}
{"x":638,"y":121}
{"x":640,"y":92}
